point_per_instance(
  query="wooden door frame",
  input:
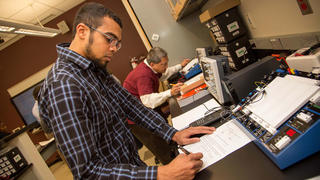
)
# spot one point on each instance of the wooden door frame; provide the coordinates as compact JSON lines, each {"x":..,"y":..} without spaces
{"x":137,"y":24}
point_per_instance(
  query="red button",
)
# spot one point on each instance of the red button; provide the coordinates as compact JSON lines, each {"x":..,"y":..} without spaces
{"x":304,"y":6}
{"x":290,"y":132}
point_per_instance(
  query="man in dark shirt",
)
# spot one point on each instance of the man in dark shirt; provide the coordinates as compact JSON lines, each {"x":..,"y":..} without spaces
{"x":87,"y":109}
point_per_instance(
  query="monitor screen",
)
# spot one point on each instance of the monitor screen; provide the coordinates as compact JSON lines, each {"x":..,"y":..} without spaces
{"x":23,"y":102}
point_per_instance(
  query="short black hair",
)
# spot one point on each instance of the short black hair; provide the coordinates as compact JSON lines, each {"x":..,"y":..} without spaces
{"x":92,"y":14}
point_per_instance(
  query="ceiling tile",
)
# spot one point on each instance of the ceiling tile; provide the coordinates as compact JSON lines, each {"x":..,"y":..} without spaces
{"x":68,"y":4}
{"x":29,"y":13}
{"x":20,"y":10}
{"x":51,"y":3}
{"x":47,"y":16}
{"x":11,"y":7}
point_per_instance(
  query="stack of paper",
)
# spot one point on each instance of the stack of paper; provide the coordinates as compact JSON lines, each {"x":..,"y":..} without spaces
{"x":225,"y":140}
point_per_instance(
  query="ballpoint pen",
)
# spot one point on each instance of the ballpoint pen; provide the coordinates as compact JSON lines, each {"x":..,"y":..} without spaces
{"x":183,"y":150}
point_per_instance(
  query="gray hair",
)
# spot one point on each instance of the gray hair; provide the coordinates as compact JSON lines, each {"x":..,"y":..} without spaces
{"x":155,"y":55}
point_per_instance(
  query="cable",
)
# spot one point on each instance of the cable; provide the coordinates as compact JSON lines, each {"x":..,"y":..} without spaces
{"x":262,"y":94}
{"x":224,"y":113}
{"x":31,"y":5}
{"x":259,"y":82}
{"x":206,"y":107}
{"x":209,"y":110}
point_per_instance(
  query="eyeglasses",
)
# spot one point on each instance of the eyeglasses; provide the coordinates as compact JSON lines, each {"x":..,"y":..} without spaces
{"x":111,"y":40}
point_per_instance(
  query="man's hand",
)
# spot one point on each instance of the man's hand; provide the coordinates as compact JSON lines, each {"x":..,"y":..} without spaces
{"x":185,"y":62}
{"x":183,"y":167}
{"x":175,"y":90}
{"x":183,"y":137}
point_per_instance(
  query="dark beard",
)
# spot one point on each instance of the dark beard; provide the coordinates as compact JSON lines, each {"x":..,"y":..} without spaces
{"x":94,"y":59}
{"x":99,"y":65}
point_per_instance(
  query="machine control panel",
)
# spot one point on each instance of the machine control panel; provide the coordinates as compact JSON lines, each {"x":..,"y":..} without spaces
{"x":289,"y":135}
{"x":293,"y":128}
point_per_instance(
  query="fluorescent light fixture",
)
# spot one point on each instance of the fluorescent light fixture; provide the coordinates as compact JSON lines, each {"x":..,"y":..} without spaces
{"x":7,"y":26}
{"x":6,"y":29}
{"x":35,"y":33}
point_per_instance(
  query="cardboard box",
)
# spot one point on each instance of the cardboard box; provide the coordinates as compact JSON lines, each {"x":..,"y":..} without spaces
{"x":218,"y":9}
{"x":189,"y":86}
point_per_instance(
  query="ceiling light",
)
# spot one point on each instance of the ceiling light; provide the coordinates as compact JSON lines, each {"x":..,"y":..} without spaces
{"x":35,"y":33}
{"x":6,"y":29}
{"x":7,"y":26}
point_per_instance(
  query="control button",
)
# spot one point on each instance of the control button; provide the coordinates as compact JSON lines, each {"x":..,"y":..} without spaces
{"x":283,"y":142}
{"x":304,"y":117}
{"x":21,"y":164}
{"x":17,"y":158}
{"x":291,"y":132}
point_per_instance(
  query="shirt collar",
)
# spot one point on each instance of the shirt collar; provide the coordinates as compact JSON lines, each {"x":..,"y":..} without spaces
{"x":65,"y":53}
{"x":146,"y":62}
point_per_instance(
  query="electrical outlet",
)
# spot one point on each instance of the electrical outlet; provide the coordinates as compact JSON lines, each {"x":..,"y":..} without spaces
{"x":293,"y":42}
{"x":63,"y":27}
{"x":251,"y":21}
{"x":290,"y":42}
{"x":308,"y":40}
{"x":276,"y":43}
{"x":155,"y":37}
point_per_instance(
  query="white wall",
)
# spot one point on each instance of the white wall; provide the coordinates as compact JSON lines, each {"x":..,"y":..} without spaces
{"x":279,"y":17}
{"x":180,"y":38}
{"x":278,"y":24}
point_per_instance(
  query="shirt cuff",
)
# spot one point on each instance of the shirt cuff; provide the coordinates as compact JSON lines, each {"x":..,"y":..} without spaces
{"x":167,"y":93}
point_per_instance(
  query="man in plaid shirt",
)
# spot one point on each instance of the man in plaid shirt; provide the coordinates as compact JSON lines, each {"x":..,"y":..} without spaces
{"x":87,"y":109}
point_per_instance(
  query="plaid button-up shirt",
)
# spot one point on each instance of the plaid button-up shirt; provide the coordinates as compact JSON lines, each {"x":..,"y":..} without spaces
{"x":87,"y":110}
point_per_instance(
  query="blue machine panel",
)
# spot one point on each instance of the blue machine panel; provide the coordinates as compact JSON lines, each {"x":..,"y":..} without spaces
{"x":193,"y":72}
{"x":296,"y":139}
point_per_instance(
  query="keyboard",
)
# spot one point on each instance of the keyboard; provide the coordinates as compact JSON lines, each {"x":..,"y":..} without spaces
{"x":210,"y":118}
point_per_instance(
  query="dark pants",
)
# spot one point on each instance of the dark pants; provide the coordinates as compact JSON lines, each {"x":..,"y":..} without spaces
{"x":159,"y":147}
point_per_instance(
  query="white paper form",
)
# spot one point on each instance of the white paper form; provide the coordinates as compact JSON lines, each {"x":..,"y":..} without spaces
{"x":225,"y":140}
{"x":183,"y":121}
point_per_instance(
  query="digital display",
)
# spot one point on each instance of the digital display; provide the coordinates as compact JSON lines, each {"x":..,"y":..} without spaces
{"x":291,"y":132}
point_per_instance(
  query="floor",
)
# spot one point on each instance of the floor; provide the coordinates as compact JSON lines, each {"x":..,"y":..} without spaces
{"x":61,"y":170}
